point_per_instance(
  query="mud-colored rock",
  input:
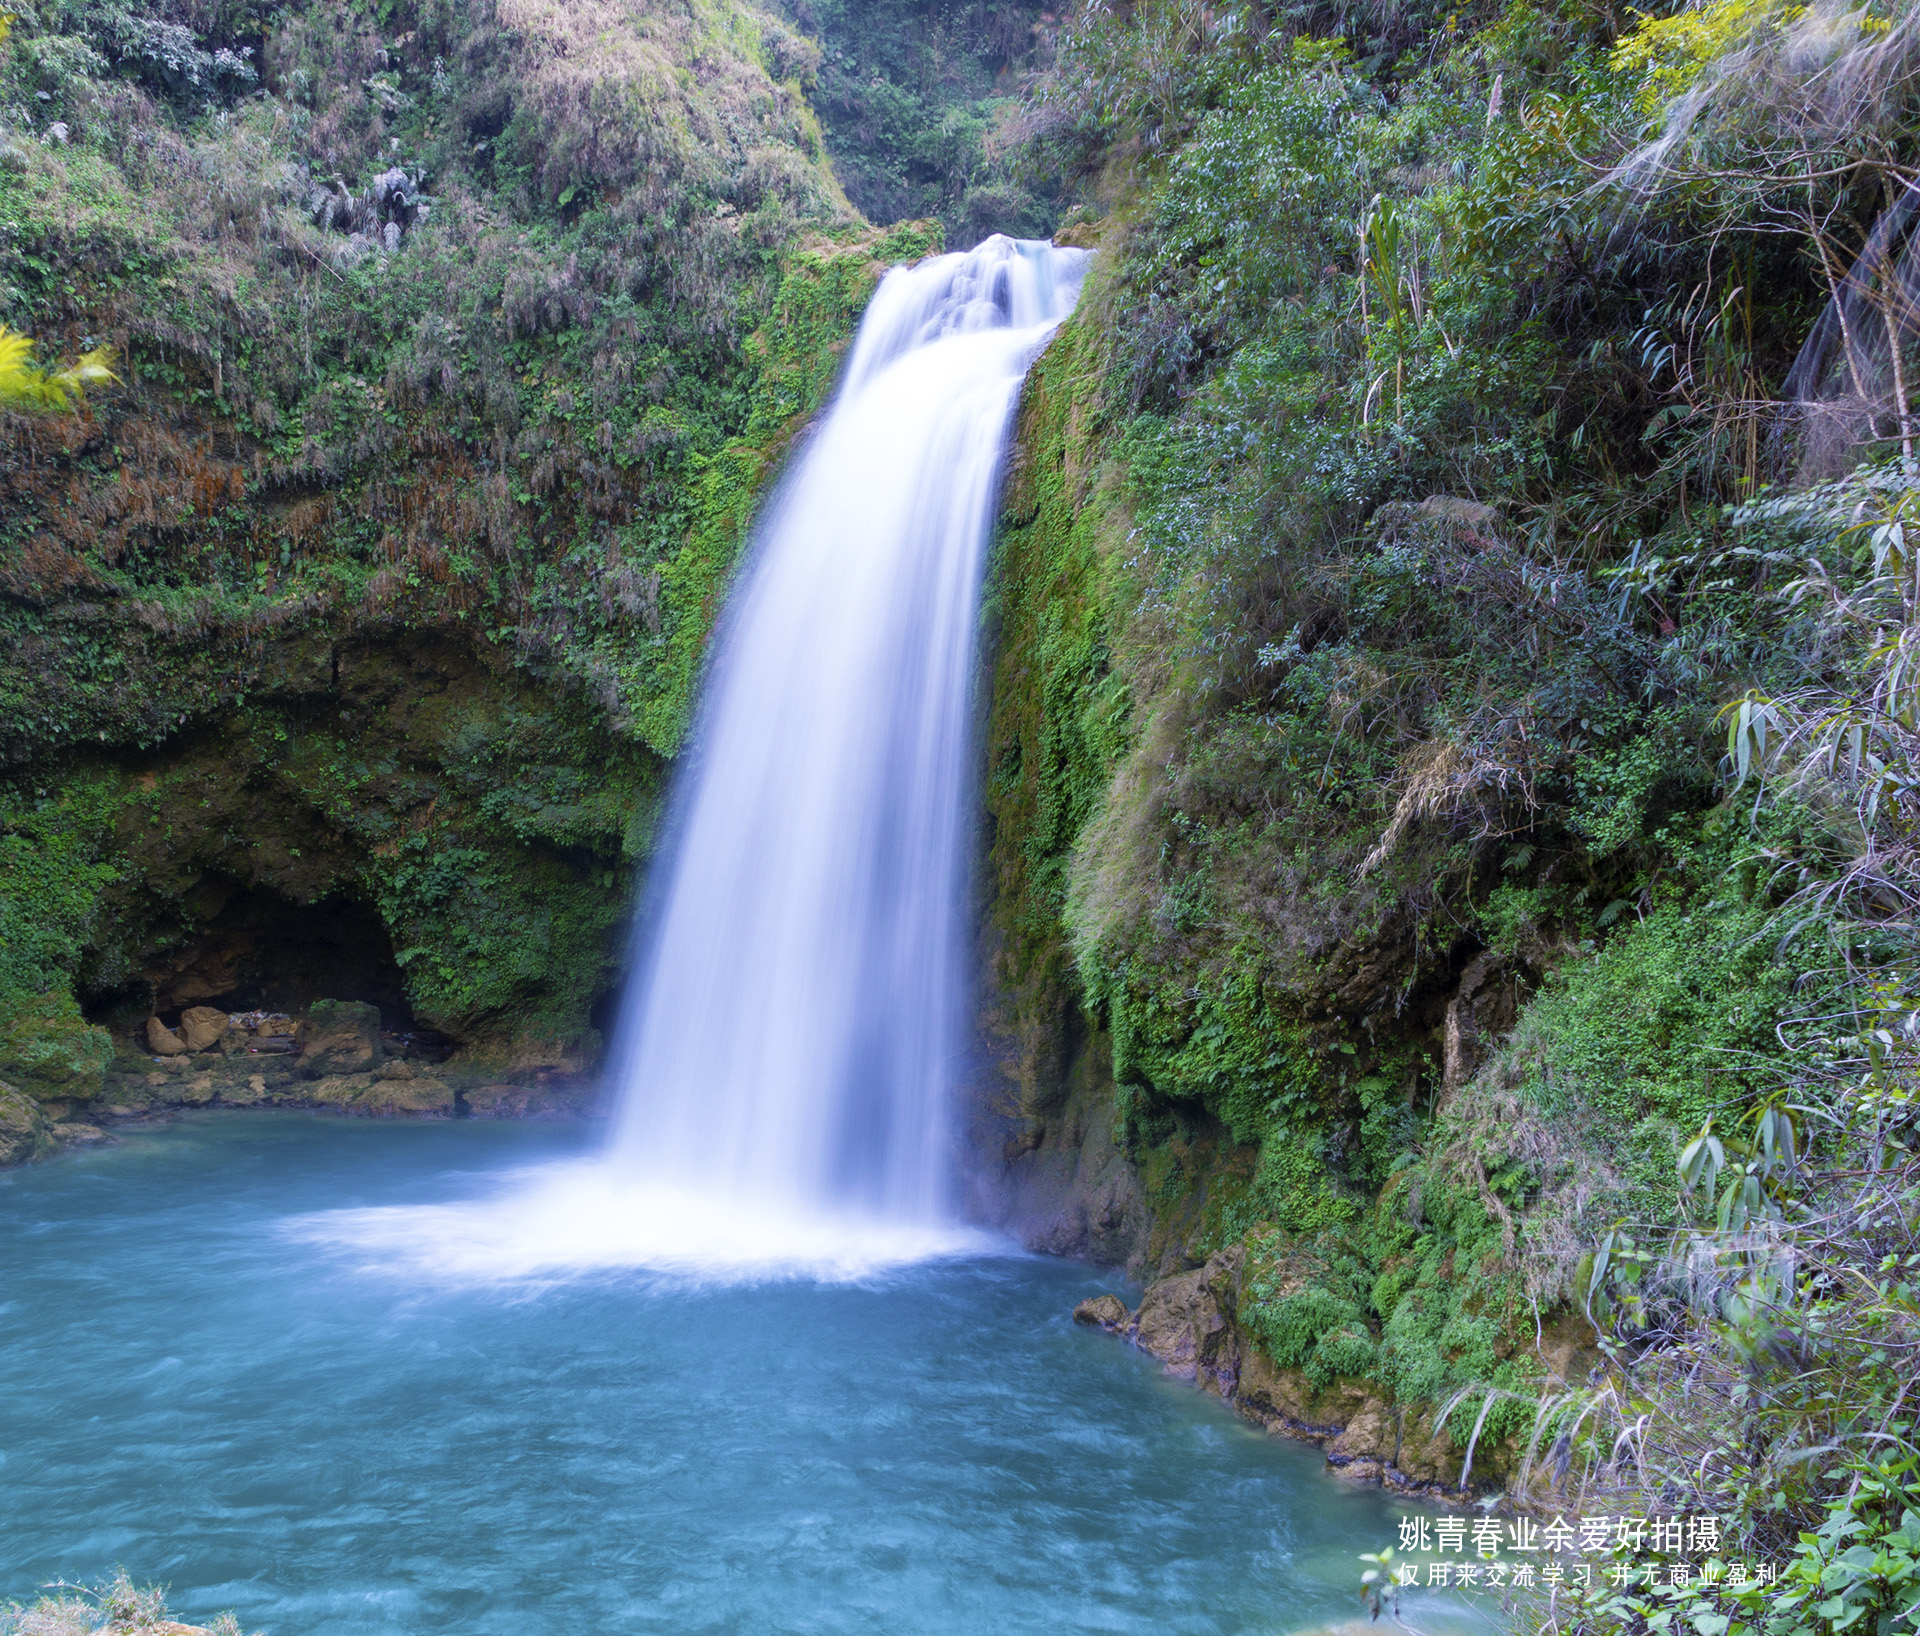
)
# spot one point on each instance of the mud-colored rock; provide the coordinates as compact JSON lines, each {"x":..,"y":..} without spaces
{"x":339,"y":1090}
{"x":243,"y":1093}
{"x":1370,"y":1434}
{"x":25,"y":1131}
{"x":499,"y":1101}
{"x":79,"y":1135}
{"x":198,"y":1091}
{"x":1286,"y":1401}
{"x":201,"y":1027}
{"x":1426,"y":1455}
{"x":419,"y":1097}
{"x":162,"y":1041}
{"x":1187,"y":1322}
{"x":395,"y":1068}
{"x":340,"y":1037}
{"x":423,"y":1098}
{"x":1106,"y":1312}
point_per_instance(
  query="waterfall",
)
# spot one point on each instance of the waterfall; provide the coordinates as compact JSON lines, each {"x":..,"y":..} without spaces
{"x":792,"y":1030}
{"x":786,"y":1057}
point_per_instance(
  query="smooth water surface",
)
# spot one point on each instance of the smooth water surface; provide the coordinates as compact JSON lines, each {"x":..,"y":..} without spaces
{"x":192,"y":1385}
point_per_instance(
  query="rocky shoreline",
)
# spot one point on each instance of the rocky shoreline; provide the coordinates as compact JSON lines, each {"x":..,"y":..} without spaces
{"x":335,"y":1056}
{"x":1190,"y":1322}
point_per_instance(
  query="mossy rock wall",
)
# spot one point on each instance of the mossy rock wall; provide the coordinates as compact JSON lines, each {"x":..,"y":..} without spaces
{"x":354,"y":780}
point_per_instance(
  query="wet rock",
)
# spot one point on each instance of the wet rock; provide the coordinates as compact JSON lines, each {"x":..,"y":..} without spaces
{"x":1286,"y":1401}
{"x":1482,"y":1009}
{"x":1106,"y":1312}
{"x":340,"y":1090}
{"x":80,"y":1135}
{"x":201,"y":1027}
{"x":340,"y":1037}
{"x":499,"y":1101}
{"x":162,"y":1041}
{"x":1027,"y":1136}
{"x":366,"y":1094}
{"x":243,"y":1093}
{"x":25,"y":1131}
{"x":1190,"y":1322}
{"x":1187,"y":1322}
{"x":395,"y":1070}
{"x":1425,"y":1456}
{"x":421,"y":1098}
{"x":1370,"y":1435}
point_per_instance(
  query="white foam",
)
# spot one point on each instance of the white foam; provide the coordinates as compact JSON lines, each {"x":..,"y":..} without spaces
{"x":580,"y":1218}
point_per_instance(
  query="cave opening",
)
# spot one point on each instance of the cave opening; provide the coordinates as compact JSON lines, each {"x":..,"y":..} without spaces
{"x":254,"y":950}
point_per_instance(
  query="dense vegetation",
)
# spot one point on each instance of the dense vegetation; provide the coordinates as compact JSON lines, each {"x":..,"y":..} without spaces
{"x":914,"y":97}
{"x":1456,"y":722}
{"x":456,"y":345}
{"x":1451,"y":762}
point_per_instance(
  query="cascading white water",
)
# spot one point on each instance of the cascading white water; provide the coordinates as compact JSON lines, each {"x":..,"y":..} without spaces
{"x":786,"y":1057}
{"x":791,"y":1031}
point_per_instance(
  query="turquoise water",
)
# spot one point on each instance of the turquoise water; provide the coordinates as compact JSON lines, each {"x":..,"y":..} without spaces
{"x":191,"y":1389}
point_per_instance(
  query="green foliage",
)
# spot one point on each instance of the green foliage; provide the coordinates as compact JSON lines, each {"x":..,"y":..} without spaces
{"x":1398,"y":467}
{"x":911,"y":97}
{"x":54,"y":861}
{"x":23,"y":385}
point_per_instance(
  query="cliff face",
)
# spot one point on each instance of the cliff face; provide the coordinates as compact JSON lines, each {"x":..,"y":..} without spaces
{"x":1281,"y":971}
{"x":345,"y":643}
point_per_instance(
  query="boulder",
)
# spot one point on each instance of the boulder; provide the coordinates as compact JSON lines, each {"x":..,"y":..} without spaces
{"x":341,"y":1090}
{"x":201,"y":1027}
{"x":25,"y":1131}
{"x":163,"y":1042}
{"x":1370,"y":1436}
{"x":420,"y":1098}
{"x":1106,"y":1312}
{"x":365,"y":1094}
{"x":80,"y":1135}
{"x":1286,"y":1401}
{"x":340,"y":1037}
{"x":1187,"y":1322}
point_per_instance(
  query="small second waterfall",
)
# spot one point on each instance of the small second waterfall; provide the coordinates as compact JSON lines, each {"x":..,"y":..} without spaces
{"x":786,"y":1058}
{"x":793,"y":1023}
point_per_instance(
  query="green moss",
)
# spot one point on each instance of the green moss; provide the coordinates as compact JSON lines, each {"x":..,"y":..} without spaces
{"x":49,"y":1050}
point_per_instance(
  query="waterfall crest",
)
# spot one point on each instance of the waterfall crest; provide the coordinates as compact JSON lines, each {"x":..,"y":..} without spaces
{"x":791,"y":1032}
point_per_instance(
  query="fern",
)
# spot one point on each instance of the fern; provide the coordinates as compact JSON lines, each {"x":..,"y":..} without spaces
{"x":24,"y":385}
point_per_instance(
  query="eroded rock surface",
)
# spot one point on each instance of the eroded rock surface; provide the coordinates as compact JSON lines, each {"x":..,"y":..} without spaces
{"x":25,"y":1131}
{"x":340,"y":1037}
{"x":1190,"y":1322}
